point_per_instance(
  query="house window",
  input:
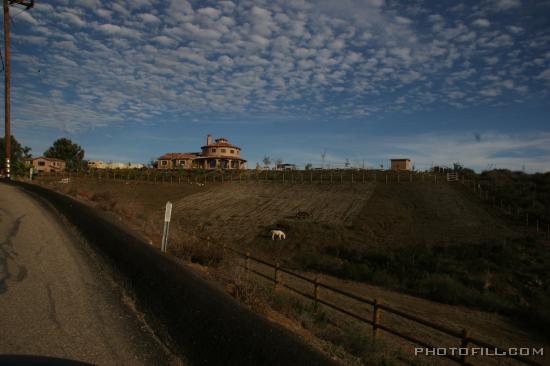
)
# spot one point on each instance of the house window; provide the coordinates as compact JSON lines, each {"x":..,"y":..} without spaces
{"x":223,"y":150}
{"x":213,"y":150}
{"x":182,"y":162}
{"x":232,"y":151}
{"x":163,"y":162}
{"x":41,"y":163}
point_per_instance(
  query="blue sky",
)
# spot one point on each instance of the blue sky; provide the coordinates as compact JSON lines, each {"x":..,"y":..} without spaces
{"x":364,"y":80}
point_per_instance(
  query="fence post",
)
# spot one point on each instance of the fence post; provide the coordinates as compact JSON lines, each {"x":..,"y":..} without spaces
{"x":276,"y":276}
{"x":375,"y":318}
{"x":246,"y":262}
{"x":464,"y":344}
{"x":316,"y":293}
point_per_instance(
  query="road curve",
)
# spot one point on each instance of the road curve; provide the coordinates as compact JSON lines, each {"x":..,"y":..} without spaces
{"x":58,"y":298}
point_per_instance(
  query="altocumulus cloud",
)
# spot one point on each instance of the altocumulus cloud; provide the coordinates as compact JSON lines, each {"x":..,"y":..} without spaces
{"x":95,"y":63}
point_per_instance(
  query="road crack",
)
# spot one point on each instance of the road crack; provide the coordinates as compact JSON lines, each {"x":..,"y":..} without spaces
{"x":52,"y":312}
{"x":7,"y":252}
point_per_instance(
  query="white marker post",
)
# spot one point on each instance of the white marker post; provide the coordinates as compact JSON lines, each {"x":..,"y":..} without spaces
{"x":167,"y":216}
{"x":30,"y":174}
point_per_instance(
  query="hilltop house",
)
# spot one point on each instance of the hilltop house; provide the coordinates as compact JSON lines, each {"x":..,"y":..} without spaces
{"x":43,"y":164}
{"x":219,"y":154}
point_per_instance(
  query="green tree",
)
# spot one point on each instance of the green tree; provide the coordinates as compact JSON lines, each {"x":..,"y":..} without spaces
{"x":17,"y":154}
{"x":66,"y":150}
{"x":266,"y":160}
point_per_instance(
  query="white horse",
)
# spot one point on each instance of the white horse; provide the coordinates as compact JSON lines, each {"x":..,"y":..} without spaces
{"x":278,"y":233}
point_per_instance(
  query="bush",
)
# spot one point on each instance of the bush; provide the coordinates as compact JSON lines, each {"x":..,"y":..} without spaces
{"x":444,"y":288}
{"x":198,"y":252}
{"x":105,"y":200}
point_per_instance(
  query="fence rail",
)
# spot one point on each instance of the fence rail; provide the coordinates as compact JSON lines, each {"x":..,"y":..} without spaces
{"x":252,"y":176}
{"x":519,"y":214}
{"x":378,"y":307}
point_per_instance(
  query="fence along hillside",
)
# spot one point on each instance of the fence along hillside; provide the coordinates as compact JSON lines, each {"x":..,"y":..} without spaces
{"x":378,"y":309}
{"x":253,"y":176}
{"x":149,"y":176}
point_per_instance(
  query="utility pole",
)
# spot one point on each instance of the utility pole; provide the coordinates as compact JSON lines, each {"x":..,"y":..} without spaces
{"x":7,"y":134}
{"x":7,"y":102}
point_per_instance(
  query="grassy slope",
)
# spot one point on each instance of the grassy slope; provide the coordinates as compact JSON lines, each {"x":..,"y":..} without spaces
{"x":433,"y":240}
{"x":440,"y":242}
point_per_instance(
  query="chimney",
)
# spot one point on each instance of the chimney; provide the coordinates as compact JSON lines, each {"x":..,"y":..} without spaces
{"x":209,"y":139}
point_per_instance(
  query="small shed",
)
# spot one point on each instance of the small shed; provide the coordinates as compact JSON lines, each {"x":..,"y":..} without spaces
{"x":400,"y":164}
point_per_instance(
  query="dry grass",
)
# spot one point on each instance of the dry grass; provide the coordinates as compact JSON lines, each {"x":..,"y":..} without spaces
{"x":205,"y":217}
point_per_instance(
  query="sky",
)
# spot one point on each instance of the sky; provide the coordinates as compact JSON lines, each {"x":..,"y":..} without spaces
{"x":438,"y":82}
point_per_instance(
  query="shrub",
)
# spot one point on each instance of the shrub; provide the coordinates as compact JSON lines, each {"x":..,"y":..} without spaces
{"x":105,"y":200}
{"x":444,"y":288}
{"x":198,"y":252}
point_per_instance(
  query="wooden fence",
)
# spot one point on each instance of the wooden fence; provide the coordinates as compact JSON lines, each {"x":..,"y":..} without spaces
{"x":253,"y":176}
{"x":518,"y":214}
{"x":463,"y":338}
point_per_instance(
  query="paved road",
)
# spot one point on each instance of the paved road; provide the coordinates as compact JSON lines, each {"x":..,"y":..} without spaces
{"x":58,"y":298}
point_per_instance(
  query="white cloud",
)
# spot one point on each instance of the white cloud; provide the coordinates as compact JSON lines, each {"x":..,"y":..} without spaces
{"x":545,"y":75}
{"x":506,"y":4}
{"x":209,"y":12}
{"x":149,"y":18}
{"x":490,"y":92}
{"x":117,"y":30}
{"x":164,"y":40}
{"x":279,"y":57}
{"x":481,"y":22}
{"x":492,"y":60}
{"x":27,"y":17}
{"x":515,"y":29}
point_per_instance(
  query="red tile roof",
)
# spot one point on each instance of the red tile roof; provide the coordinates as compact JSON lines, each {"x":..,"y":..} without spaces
{"x":221,"y":144}
{"x":45,"y":158}
{"x":176,"y":156}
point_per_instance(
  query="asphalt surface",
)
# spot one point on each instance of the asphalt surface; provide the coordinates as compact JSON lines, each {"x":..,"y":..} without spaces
{"x":58,"y":297}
